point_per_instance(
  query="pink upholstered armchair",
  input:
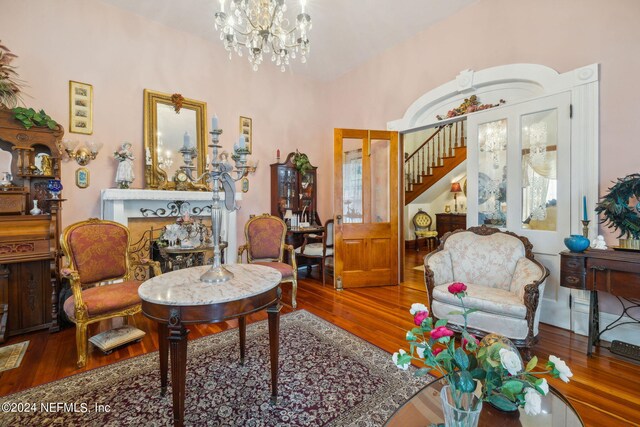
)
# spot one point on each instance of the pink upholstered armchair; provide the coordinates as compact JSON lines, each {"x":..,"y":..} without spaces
{"x":98,"y":251}
{"x":504,"y":283}
{"x":265,"y":245}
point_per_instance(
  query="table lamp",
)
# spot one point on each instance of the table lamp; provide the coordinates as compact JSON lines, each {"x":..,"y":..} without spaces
{"x":455,"y":189}
{"x":287,"y":217}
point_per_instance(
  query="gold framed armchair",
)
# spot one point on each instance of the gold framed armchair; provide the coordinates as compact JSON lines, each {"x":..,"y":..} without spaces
{"x":265,"y":235}
{"x":98,"y":252}
{"x":422,"y":229}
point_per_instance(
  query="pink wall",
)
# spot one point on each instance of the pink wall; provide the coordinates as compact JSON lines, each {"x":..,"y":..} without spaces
{"x":121,"y":54}
{"x":563,"y":35}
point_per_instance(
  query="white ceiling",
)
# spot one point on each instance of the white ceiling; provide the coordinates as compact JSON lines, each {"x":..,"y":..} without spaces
{"x":345,"y":33}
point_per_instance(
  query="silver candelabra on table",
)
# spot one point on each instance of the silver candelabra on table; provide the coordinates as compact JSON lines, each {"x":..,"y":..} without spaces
{"x":220,"y":174}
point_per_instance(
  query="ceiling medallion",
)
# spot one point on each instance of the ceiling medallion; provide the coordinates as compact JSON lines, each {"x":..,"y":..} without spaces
{"x":262,"y":28}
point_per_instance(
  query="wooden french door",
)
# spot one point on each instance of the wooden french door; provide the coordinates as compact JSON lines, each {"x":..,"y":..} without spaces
{"x":365,"y":208}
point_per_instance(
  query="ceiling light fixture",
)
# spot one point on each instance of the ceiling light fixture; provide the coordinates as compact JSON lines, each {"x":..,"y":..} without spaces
{"x":262,"y":28}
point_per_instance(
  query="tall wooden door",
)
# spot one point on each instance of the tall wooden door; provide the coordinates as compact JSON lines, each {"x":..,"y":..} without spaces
{"x":519,"y":179}
{"x":366,"y":208}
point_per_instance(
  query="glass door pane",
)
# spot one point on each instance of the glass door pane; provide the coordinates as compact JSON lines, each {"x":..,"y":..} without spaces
{"x":352,"y":180}
{"x":539,"y":170}
{"x":492,"y":173}
{"x":379,"y":161}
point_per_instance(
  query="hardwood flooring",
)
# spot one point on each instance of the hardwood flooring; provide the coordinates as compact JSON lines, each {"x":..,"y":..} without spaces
{"x":605,"y":389}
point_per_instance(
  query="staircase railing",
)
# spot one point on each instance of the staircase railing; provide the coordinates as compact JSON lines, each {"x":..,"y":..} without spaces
{"x":432,"y":152}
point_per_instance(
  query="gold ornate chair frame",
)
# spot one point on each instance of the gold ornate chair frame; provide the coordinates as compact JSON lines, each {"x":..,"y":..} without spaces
{"x":82,"y":318}
{"x":280,"y":259}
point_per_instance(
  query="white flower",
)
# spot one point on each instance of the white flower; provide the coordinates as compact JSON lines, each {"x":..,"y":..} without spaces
{"x":563,"y":370}
{"x":420,"y":352}
{"x":395,"y":356}
{"x":510,"y":361}
{"x":416,"y":307}
{"x":544,"y":386}
{"x":532,"y":402}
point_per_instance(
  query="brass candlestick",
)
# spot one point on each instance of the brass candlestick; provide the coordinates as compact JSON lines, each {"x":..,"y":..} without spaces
{"x":585,"y":227}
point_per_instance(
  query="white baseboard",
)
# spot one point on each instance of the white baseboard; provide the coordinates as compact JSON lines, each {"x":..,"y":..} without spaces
{"x":580,"y":324}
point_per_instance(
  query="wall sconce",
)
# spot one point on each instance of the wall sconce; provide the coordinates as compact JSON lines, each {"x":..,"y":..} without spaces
{"x":82,"y":154}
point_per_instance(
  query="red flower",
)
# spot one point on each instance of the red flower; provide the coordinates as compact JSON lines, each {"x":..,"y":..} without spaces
{"x":441,"y":331}
{"x":437,"y":350}
{"x":419,"y":317}
{"x":457,"y":288}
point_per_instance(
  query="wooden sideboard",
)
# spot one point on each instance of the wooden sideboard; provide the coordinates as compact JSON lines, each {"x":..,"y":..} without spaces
{"x":614,"y":272}
{"x":446,"y":222}
{"x":29,"y":248}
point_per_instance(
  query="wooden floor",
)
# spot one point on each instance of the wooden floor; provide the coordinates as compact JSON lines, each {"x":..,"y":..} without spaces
{"x":605,"y":389}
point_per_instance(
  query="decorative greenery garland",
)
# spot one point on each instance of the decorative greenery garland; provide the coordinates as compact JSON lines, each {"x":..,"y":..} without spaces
{"x":302,"y":162}
{"x":615,"y":208}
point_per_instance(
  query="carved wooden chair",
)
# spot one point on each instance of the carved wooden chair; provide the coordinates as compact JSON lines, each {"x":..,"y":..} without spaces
{"x":320,"y":250}
{"x":504,"y":283}
{"x":98,"y":251}
{"x":265,"y":235}
{"x":422,"y":229}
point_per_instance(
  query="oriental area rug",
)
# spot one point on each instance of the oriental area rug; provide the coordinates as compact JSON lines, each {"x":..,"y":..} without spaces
{"x":328,"y":377}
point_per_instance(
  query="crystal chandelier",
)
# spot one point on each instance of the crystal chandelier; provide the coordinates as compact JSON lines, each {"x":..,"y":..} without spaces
{"x":262,"y":28}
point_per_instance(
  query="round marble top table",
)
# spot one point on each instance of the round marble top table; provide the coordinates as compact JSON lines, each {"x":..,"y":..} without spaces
{"x":179,"y":298}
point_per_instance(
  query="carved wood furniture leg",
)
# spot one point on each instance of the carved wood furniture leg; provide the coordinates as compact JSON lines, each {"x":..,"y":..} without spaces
{"x":178,"y":346}
{"x":274,"y":347}
{"x":593,"y":302}
{"x":242,"y":327}
{"x":4,"y":301}
{"x":163,"y":344}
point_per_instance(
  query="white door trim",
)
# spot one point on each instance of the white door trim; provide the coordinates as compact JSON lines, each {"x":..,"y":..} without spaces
{"x":519,"y":82}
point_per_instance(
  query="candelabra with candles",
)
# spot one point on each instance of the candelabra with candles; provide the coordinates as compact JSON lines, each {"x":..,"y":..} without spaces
{"x":220,"y":175}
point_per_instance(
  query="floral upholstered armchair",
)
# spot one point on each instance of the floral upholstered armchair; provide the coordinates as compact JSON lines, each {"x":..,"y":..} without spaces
{"x":265,"y":245}
{"x":98,"y":252}
{"x":504,"y":283}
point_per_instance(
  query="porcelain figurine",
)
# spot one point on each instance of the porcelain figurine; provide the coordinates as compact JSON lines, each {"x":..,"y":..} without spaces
{"x":599,"y":243}
{"x":124,"y":174}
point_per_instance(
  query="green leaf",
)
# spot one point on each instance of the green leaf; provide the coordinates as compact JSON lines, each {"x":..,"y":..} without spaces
{"x":456,"y":313}
{"x":479,"y":373}
{"x":461,"y":358}
{"x":471,"y":310}
{"x":493,"y":381}
{"x":532,"y":363}
{"x":441,"y":322}
{"x":466,"y":383}
{"x":514,"y":387}
{"x":502,"y":403}
{"x":444,"y":340}
{"x":443,"y":356}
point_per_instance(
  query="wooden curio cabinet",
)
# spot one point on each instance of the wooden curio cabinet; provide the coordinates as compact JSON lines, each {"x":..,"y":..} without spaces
{"x":293,"y":191}
{"x":29,"y":247}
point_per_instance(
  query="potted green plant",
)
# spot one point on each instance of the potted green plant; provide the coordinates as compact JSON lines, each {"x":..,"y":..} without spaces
{"x":302,"y":163}
{"x":10,"y":84}
{"x":618,"y":214}
{"x":30,"y":118}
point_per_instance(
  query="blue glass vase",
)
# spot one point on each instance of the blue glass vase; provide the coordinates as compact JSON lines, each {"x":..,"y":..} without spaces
{"x":55,"y":187}
{"x":576,"y":243}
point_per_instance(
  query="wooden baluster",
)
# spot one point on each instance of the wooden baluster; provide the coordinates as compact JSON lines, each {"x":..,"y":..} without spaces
{"x":463,"y":143}
{"x":423,"y":168}
{"x":440,"y":146}
{"x":450,"y":148}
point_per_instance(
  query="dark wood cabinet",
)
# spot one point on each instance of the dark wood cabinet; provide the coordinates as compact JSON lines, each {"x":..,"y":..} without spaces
{"x":446,"y":222}
{"x":290,"y":190}
{"x":614,"y":272}
{"x":29,"y":247}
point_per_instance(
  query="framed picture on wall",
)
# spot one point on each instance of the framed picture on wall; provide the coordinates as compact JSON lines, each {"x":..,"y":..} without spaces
{"x":245,"y":129}
{"x":80,"y":107}
{"x":82,"y":177}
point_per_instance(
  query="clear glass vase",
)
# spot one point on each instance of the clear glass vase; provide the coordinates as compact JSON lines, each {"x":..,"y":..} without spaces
{"x":461,"y":409}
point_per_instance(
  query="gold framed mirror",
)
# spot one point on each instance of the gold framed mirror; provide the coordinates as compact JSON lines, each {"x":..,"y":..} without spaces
{"x":172,"y":122}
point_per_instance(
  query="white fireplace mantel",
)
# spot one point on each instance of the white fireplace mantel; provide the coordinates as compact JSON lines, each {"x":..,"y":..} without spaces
{"x":121,"y":204}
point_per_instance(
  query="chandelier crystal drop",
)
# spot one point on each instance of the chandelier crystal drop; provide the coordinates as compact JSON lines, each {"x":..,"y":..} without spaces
{"x":262,"y":28}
